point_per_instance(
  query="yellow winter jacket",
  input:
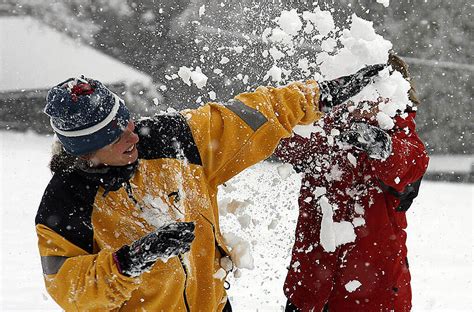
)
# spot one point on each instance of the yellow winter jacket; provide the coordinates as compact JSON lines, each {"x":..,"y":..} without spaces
{"x":183,"y":158}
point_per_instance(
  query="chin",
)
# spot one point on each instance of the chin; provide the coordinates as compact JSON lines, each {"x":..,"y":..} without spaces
{"x":133,"y":158}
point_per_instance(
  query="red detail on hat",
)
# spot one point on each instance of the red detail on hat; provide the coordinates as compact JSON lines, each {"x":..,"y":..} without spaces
{"x":81,"y":89}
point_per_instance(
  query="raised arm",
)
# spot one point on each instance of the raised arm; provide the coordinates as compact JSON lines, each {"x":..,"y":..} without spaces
{"x":246,"y":130}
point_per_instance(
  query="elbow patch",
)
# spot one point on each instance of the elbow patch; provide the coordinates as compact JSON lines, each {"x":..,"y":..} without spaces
{"x":52,"y":264}
{"x":252,"y":117}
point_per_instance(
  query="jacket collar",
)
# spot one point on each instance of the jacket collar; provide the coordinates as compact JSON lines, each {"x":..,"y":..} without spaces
{"x":111,"y":178}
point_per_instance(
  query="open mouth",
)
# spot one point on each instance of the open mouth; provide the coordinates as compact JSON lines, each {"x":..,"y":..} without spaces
{"x":130,"y":149}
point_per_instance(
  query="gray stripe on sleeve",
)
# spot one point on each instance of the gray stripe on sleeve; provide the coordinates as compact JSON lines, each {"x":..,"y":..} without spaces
{"x":252,"y":117}
{"x":52,"y":264}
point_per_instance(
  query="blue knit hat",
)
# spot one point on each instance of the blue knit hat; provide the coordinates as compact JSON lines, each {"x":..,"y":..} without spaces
{"x":85,"y":115}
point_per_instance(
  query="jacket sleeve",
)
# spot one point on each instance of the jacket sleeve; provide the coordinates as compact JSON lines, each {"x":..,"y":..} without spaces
{"x":293,"y":150}
{"x":297,"y":150}
{"x":246,"y":130}
{"x":409,"y":159}
{"x":79,"y":281}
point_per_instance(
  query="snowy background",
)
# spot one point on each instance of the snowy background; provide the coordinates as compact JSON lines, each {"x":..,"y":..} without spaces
{"x":195,"y":51}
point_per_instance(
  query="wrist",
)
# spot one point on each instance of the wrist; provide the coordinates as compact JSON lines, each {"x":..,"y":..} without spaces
{"x":122,"y":260}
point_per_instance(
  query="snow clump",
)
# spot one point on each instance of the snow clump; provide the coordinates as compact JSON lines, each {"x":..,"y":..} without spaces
{"x":352,"y":285}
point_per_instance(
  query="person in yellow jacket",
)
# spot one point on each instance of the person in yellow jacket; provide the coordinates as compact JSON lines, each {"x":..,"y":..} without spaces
{"x":129,"y":220}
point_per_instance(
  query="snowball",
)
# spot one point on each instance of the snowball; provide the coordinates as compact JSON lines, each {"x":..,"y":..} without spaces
{"x":280,"y":36}
{"x":303,"y":64}
{"x":226,"y":263}
{"x":352,"y":285}
{"x":352,"y":159}
{"x":156,"y":212}
{"x":359,"y":209}
{"x":344,"y":232}
{"x":319,"y":190}
{"x":199,"y":79}
{"x":220,"y":274}
{"x":327,"y":236}
{"x":290,"y":22}
{"x":276,"y":54}
{"x":322,"y":20}
{"x":202,"y":10}
{"x":232,"y":206}
{"x":361,"y":47}
{"x":385,"y":121}
{"x":185,"y":74}
{"x":362,"y":29}
{"x":285,"y":170}
{"x":237,"y":273}
{"x":358,"y":222}
{"x":305,"y":131}
{"x":240,"y":251}
{"x":244,"y":220}
{"x":275,"y":73}
{"x":328,"y":45}
{"x":224,"y":60}
{"x":295,"y":266}
{"x":212,"y":95}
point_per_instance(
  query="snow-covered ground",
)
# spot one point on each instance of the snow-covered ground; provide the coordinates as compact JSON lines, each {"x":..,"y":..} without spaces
{"x":440,"y":234}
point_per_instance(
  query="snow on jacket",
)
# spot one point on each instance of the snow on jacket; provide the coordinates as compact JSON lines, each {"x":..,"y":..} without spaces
{"x":350,"y":250}
{"x":83,"y":219}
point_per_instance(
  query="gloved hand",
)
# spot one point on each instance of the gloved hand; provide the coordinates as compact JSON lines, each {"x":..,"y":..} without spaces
{"x":166,"y":242}
{"x":337,"y":91}
{"x":373,"y":140}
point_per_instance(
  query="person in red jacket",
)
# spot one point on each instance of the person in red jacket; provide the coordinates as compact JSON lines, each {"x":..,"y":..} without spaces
{"x":350,"y":249}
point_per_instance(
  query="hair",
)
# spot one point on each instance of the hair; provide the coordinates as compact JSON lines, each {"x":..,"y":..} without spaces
{"x":63,"y":162}
{"x":401,"y":66}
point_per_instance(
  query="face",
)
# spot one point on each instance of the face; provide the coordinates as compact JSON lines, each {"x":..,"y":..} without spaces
{"x":119,"y":153}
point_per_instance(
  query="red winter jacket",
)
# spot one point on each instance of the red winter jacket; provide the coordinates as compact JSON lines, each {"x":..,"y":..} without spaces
{"x":370,"y":273}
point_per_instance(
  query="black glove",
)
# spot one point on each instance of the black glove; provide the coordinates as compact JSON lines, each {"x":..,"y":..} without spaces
{"x":339,"y":90}
{"x":373,"y":140}
{"x":168,"y":241}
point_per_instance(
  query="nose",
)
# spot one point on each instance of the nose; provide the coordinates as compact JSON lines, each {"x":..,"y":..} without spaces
{"x":131,"y":137}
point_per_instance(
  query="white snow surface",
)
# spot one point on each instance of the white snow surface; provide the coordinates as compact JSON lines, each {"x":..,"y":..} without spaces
{"x":439,"y":234}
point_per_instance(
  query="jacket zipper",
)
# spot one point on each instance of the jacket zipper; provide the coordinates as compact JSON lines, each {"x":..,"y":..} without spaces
{"x":181,"y":260}
{"x":221,"y":250}
{"x":215,"y":238}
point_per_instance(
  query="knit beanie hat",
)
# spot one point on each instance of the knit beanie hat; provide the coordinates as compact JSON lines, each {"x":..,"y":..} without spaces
{"x":85,"y":115}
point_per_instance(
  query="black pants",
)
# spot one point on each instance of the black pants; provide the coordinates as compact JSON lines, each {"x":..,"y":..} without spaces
{"x":291,"y":308}
{"x":227,"y":307}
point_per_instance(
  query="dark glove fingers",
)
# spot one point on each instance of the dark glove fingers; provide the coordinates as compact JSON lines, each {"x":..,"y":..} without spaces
{"x":178,"y":235}
{"x":166,"y":242}
{"x":371,"y":70}
{"x":365,"y":75}
{"x":175,"y":248}
{"x":373,"y":140}
{"x":350,"y":137}
{"x":336,"y":91}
